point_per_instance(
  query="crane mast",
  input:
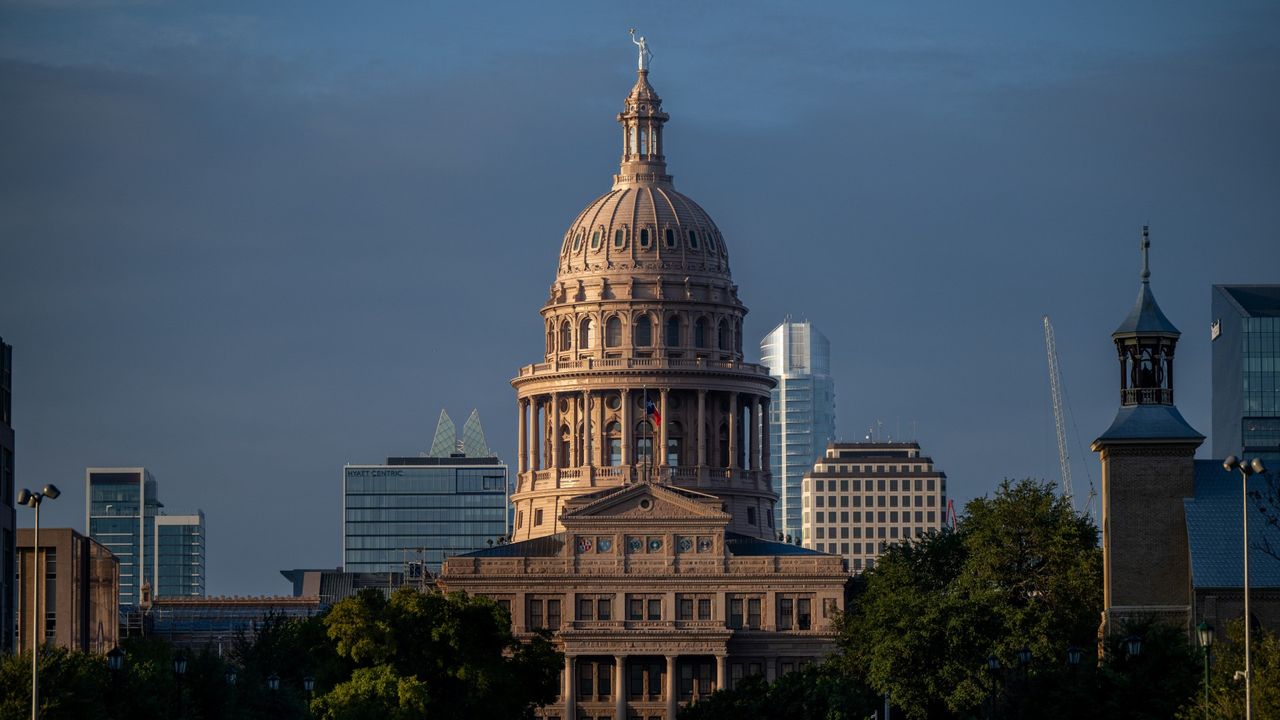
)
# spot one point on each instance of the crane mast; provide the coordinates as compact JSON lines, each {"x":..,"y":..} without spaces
{"x":1055,"y":389}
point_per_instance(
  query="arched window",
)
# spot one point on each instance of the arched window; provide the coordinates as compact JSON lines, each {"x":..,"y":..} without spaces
{"x":700,"y":332}
{"x":645,"y":242}
{"x":724,"y":445}
{"x":737,"y":335}
{"x":566,"y":336}
{"x":644,"y":331}
{"x":613,"y":437}
{"x":619,"y":239}
{"x":577,"y":241}
{"x":673,"y":332}
{"x":566,"y":446}
{"x":586,"y":329}
{"x":595,"y":240}
{"x":693,"y":240}
{"x":551,"y":339}
{"x":669,"y":237}
{"x":722,"y":335}
{"x":613,"y":332}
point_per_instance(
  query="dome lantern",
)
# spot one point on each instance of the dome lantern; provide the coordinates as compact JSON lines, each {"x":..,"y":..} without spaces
{"x":1145,"y":342}
{"x":642,"y":119}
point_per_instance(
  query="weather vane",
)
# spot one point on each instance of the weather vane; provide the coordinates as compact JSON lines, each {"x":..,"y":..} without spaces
{"x":645,"y":55}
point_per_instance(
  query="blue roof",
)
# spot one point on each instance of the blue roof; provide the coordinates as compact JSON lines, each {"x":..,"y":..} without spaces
{"x":747,"y":546}
{"x":545,"y":546}
{"x":1146,"y":316}
{"x":1214,"y":531}
{"x":1150,"y":422}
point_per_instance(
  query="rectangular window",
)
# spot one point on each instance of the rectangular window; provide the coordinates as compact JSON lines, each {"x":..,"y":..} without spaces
{"x":537,"y":516}
{"x":535,"y":613}
{"x":635,"y":608}
{"x":553,"y":614}
{"x":704,"y":608}
{"x":735,"y":612}
{"x":655,"y":609}
{"x":603,"y":608}
{"x":585,"y":608}
{"x":686,"y":609}
{"x":753,"y":613}
{"x":784,"y":613}
{"x":803,"y":613}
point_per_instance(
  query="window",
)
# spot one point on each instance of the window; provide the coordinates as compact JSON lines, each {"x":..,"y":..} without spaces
{"x":753,"y":613}
{"x":553,"y":614}
{"x":654,"y":609}
{"x":586,"y":608}
{"x":537,"y":516}
{"x":535,"y":617}
{"x":520,"y":519}
{"x":613,"y":332}
{"x":619,"y":239}
{"x":645,"y":241}
{"x":722,"y":333}
{"x":646,"y":678}
{"x":704,"y":608}
{"x":685,"y":609}
{"x":577,"y":241}
{"x":595,"y":679}
{"x":696,"y":679}
{"x":700,"y":335}
{"x":586,"y":329}
{"x":604,"y":607}
{"x":566,"y":336}
{"x":673,"y":332}
{"x":735,"y":612}
{"x":595,"y":240}
{"x":693,"y":240}
{"x":644,"y":331}
{"x":751,"y":516}
{"x":786,"y":609}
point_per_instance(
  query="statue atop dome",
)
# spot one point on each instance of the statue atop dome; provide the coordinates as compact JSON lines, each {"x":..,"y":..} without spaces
{"x":645,"y":55}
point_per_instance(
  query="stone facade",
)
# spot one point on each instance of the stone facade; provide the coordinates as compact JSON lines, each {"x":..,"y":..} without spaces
{"x":79,"y":593}
{"x":656,"y":571}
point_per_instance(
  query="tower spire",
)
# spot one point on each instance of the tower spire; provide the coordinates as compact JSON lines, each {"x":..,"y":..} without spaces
{"x":1146,"y":248}
{"x":642,"y":119}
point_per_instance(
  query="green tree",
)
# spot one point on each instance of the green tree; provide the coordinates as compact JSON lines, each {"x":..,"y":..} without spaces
{"x":72,"y":685}
{"x":437,"y":655}
{"x":1022,"y":568}
{"x":1226,"y":693}
{"x":818,"y":692}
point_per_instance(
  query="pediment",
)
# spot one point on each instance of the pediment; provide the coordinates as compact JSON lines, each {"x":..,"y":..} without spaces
{"x":645,"y":502}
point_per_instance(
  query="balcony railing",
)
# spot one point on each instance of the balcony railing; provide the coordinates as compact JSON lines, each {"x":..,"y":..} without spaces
{"x":659,"y":363}
{"x":1146,"y":396}
{"x":691,"y":476}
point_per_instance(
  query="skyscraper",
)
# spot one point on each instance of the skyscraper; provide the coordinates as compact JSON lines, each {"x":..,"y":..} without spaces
{"x":120,"y":513}
{"x":180,"y":556}
{"x":1246,"y":371}
{"x":413,"y":512}
{"x":8,"y":516}
{"x":802,"y":420}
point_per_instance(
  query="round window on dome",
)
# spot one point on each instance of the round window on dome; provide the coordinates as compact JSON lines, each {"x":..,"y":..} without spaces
{"x":645,"y":242}
{"x":619,"y":239}
{"x":693,"y":240}
{"x":595,"y":240}
{"x":669,"y":236}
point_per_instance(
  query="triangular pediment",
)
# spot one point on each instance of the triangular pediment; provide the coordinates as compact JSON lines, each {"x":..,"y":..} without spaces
{"x":644,"y":502}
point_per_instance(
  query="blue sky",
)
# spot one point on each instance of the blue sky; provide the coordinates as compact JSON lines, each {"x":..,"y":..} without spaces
{"x":246,"y":243}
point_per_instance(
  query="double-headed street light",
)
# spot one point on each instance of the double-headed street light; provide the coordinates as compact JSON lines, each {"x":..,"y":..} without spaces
{"x":1246,"y":468}
{"x":33,"y":500}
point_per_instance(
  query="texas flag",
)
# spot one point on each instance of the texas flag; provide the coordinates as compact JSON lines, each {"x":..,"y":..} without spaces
{"x":652,"y":411}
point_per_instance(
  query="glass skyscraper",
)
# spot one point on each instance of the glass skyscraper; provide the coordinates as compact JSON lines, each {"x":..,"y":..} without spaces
{"x":120,"y":513}
{"x":180,"y":553}
{"x":802,"y":416}
{"x":421,"y":510}
{"x":1246,"y":371}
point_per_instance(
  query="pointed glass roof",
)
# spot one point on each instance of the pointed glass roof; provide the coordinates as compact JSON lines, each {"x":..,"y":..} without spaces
{"x":446,"y":437}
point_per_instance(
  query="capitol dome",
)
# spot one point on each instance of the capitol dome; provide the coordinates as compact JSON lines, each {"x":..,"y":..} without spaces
{"x":643,"y":222}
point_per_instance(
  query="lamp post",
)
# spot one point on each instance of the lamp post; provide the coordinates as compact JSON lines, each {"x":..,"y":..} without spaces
{"x":993,"y":667}
{"x":1133,"y":644}
{"x":1246,"y":469}
{"x":33,"y":500}
{"x":1073,"y":657}
{"x":273,"y":682}
{"x":1205,"y":632}
{"x":179,"y":670}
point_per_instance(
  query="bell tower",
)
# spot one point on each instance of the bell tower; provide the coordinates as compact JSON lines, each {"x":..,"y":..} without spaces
{"x":1147,"y":470}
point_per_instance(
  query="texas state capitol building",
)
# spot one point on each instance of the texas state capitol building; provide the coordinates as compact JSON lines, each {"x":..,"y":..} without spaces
{"x":657,"y":572}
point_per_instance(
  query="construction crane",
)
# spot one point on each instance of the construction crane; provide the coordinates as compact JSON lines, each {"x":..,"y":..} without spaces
{"x":1055,"y":390}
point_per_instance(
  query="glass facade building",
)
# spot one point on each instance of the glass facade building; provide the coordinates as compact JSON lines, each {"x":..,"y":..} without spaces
{"x":802,"y":416}
{"x":179,"y":553}
{"x":1245,"y":336}
{"x":120,"y":513}
{"x":421,"y":510}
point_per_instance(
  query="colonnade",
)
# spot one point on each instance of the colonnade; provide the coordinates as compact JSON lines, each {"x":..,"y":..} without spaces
{"x":619,"y":689}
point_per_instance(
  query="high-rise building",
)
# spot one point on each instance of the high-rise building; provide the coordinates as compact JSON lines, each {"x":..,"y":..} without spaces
{"x":802,"y":417}
{"x":860,"y":497}
{"x":120,"y":512}
{"x":1246,"y":371}
{"x":413,"y":512}
{"x":78,"y":591}
{"x":8,"y":514}
{"x":644,"y":536}
{"x":180,"y":555}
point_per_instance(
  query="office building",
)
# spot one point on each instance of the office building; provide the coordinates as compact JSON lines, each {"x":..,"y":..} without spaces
{"x":78,"y":591}
{"x":179,"y":553}
{"x":861,"y":497}
{"x":644,"y":531}
{"x":8,"y":513}
{"x":120,"y":513}
{"x":410,"y":514}
{"x":1246,"y":371}
{"x":802,"y":417}
{"x":335,"y":584}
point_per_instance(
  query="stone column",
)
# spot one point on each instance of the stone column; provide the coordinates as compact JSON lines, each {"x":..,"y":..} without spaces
{"x":733,"y":430}
{"x":553,"y":429}
{"x":660,"y":457}
{"x":672,"y":703}
{"x":627,"y":460}
{"x":570,"y":701}
{"x":702,"y":424}
{"x":522,"y":437}
{"x":586,"y":429}
{"x":619,"y":687}
{"x":722,"y":672}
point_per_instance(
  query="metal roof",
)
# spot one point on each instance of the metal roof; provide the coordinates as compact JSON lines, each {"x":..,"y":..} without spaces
{"x":545,"y":546}
{"x":1150,"y":422}
{"x":1214,"y":531}
{"x":1255,"y":300}
{"x":747,"y":546}
{"x":1146,"y":316}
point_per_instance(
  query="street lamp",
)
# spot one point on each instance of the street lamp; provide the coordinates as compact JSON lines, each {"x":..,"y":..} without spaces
{"x":33,"y":500}
{"x":231,"y":677}
{"x":1024,"y":656}
{"x":115,"y":660}
{"x":179,"y":669}
{"x":993,"y":667}
{"x":1246,"y":469}
{"x":273,"y":682}
{"x":308,"y":684}
{"x":1133,"y":644}
{"x":1205,"y":632}
{"x":1073,"y":657}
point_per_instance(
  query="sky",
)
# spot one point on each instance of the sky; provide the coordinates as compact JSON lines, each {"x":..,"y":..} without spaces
{"x":243,"y":244}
